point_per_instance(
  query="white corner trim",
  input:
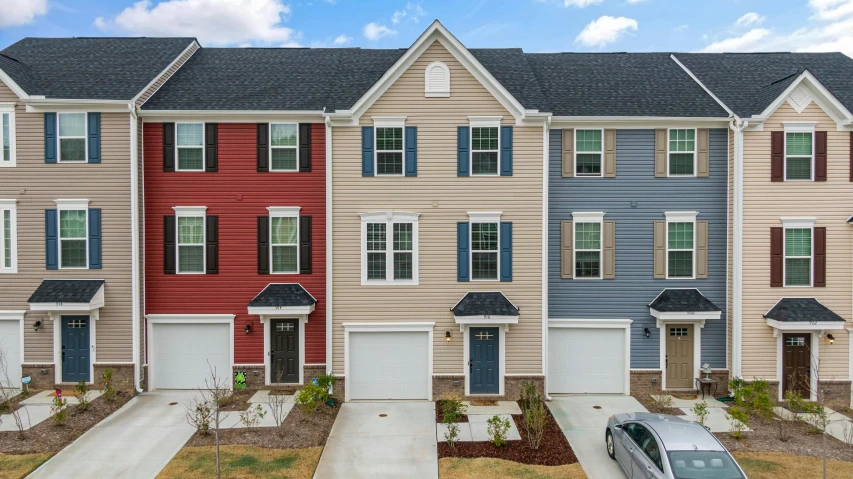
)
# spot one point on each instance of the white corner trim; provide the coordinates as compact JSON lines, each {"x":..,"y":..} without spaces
{"x":388,"y":327}
{"x":588,"y":216}
{"x":283,"y":211}
{"x":72,"y":204}
{"x":484,"y":121}
{"x":190,"y":210}
{"x":798,"y":222}
{"x":485,"y":216}
{"x":328,"y":244}
{"x":389,"y":121}
{"x":799,"y":126}
{"x":679,"y":216}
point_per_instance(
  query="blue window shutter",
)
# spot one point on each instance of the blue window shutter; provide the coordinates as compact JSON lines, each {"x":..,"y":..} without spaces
{"x":94,"y":238}
{"x":463,"y":148}
{"x":367,"y":151}
{"x":51,"y":242}
{"x":94,"y":120}
{"x":463,"y":255}
{"x":411,"y":151}
{"x":506,"y":251}
{"x":50,"y":137}
{"x":506,"y":151}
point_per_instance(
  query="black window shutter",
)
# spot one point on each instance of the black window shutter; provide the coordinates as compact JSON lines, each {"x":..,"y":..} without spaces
{"x":211,"y":147}
{"x":212,"y":240}
{"x":263,"y":147}
{"x":169,"y":245}
{"x":263,"y":245}
{"x":305,"y":245}
{"x":304,"y":147}
{"x":168,"y":147}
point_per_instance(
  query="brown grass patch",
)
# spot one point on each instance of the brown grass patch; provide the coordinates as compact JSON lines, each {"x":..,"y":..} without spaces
{"x":238,"y":462}
{"x":778,"y":465}
{"x":486,"y":468}
{"x":17,"y":466}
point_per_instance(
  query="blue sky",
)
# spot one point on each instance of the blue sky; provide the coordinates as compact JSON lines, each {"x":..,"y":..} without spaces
{"x":535,"y":25}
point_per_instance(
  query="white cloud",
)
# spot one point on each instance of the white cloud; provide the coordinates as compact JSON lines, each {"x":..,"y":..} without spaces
{"x":831,"y":9}
{"x":342,"y":40}
{"x":397,"y":16}
{"x":374,"y":31}
{"x":580,"y":3}
{"x":412,"y":11}
{"x":681,"y":28}
{"x":213,"y":22}
{"x":606,"y":30}
{"x":21,"y":12}
{"x":636,"y":1}
{"x":749,"y":19}
{"x":745,"y":42}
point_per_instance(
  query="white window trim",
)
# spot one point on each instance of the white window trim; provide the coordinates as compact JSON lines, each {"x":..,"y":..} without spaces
{"x":389,"y":122}
{"x":600,"y":154}
{"x":588,"y":218}
{"x":429,"y":93}
{"x":483,"y":122}
{"x":798,"y":127}
{"x":284,"y":212}
{"x":389,"y":218}
{"x":680,"y":217}
{"x":191,"y":212}
{"x":85,"y":136}
{"x":71,"y":205}
{"x":668,"y":152}
{"x":484,"y":217}
{"x":12,"y":207}
{"x":271,"y":148}
{"x":203,"y":147}
{"x":785,"y":256}
{"x":8,"y":109}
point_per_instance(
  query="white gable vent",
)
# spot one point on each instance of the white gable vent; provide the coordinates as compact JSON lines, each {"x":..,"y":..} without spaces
{"x":800,"y":98}
{"x":437,"y":80}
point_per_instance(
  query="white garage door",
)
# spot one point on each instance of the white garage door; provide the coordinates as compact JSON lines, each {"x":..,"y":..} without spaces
{"x":181,"y":352}
{"x":392,"y":365}
{"x":10,"y":346}
{"x":586,"y":361}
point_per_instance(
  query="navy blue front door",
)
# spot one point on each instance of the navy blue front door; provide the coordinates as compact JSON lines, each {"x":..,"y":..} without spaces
{"x":75,"y":349}
{"x":485,"y":360}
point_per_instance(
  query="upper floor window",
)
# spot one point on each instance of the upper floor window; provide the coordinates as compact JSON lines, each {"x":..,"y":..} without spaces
{"x":588,"y":152}
{"x":681,"y":157}
{"x":798,"y":256}
{"x":588,"y":240}
{"x":284,"y":147}
{"x":680,"y":244}
{"x":485,"y":246}
{"x":284,"y":239}
{"x":8,"y":237}
{"x":799,"y":155}
{"x":437,"y":80}
{"x":190,"y":245}
{"x":485,"y":145}
{"x":73,"y":233}
{"x":7,"y":135}
{"x":389,"y":151}
{"x":389,"y":248}
{"x":72,"y":137}
{"x":190,"y":146}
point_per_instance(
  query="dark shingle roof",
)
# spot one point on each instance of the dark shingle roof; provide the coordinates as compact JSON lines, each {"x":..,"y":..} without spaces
{"x":748,"y":82}
{"x":801,"y":310}
{"x":488,"y":303}
{"x":89,"y":68}
{"x":292,"y":294}
{"x":66,"y":291}
{"x":511,"y":69}
{"x":683,"y":300}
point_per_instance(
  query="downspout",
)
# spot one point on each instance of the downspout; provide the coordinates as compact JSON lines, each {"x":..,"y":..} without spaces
{"x":737,"y":126}
{"x":545,"y":180}
{"x":328,"y":245}
{"x":134,"y":231}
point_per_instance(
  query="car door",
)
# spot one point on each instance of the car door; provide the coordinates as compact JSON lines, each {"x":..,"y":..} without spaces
{"x":626,"y":444}
{"x":648,"y":460}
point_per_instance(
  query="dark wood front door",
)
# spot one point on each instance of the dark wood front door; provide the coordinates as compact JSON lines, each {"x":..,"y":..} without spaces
{"x":679,"y":356}
{"x":284,"y":342}
{"x":484,"y":360}
{"x":796,"y":362}
{"x":75,"y":349}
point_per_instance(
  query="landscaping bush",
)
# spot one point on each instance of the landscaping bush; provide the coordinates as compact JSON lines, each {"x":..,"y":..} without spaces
{"x":534,"y":415}
{"x":739,"y":419}
{"x":700,"y":410}
{"x":199,"y":416}
{"x":252,"y":416}
{"x":59,"y":410}
{"x":83,"y":402}
{"x":451,"y":435}
{"x":107,"y":380}
{"x":453,"y":409}
{"x":529,"y":395}
{"x":498,"y":428}
{"x":309,"y":397}
{"x":326,"y":382}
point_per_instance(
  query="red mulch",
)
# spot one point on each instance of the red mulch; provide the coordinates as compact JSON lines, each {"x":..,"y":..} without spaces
{"x":439,"y":413}
{"x":554,"y":450}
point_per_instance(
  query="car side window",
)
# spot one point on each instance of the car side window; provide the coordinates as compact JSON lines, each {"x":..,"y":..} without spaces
{"x":650,"y":447}
{"x":634,"y":431}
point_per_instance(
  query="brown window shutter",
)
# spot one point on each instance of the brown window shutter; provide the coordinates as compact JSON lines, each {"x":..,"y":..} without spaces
{"x":212,"y":240}
{"x":777,"y":245}
{"x":567,"y":267}
{"x":701,"y":250}
{"x":168,"y":147}
{"x":263,"y":146}
{"x":169,"y":245}
{"x":304,"y":147}
{"x":777,"y":156}
{"x":568,"y":153}
{"x":608,"y":267}
{"x":305,"y":245}
{"x":211,"y":147}
{"x":703,"y":155}
{"x":820,"y":156}
{"x":660,"y":154}
{"x":263,"y":245}
{"x":660,"y":249}
{"x":820,"y":257}
{"x":610,"y":153}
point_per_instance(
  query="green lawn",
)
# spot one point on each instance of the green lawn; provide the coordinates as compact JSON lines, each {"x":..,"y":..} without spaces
{"x":13,"y":466}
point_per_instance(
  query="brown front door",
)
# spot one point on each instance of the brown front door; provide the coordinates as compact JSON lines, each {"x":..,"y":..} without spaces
{"x":796,"y":362}
{"x":679,"y":356}
{"x":285,"y":351}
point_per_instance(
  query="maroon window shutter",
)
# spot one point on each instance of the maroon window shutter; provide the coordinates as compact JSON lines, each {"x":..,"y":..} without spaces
{"x":212,"y":255}
{"x":777,"y":156}
{"x":169,"y":235}
{"x":820,"y":257}
{"x":820,"y":156}
{"x":777,"y":244}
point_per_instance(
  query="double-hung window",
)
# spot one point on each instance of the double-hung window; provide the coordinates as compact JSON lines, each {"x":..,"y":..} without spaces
{"x":190,"y":146}
{"x":284,"y":147}
{"x":72,"y":137}
{"x":485,"y":145}
{"x":798,"y":256}
{"x":7,"y":135}
{"x":190,"y":238}
{"x":389,"y":150}
{"x":681,"y":157}
{"x":588,"y":152}
{"x":284,"y":239}
{"x":799,"y":155}
{"x":73,"y":233}
{"x":681,"y":244}
{"x":389,"y":248}
{"x":8,"y":237}
{"x":587,"y":250}
{"x":485,"y":246}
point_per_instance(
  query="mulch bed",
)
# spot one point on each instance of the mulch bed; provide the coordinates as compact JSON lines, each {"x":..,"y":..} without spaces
{"x":48,"y":437}
{"x":554,"y":450}
{"x":299,"y":430}
{"x":239,"y":400}
{"x":656,"y":408}
{"x":439,"y":413}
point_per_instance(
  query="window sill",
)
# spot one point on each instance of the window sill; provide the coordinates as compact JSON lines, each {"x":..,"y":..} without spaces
{"x":191,"y":273}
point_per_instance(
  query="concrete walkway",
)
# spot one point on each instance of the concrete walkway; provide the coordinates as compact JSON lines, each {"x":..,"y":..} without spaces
{"x":136,"y":442}
{"x":381,"y":439}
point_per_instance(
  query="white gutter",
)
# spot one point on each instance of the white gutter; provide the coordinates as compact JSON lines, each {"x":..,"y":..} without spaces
{"x":546,"y":142}
{"x":737,"y":127}
{"x":69,"y":101}
{"x":134,"y":231}
{"x":328,"y":246}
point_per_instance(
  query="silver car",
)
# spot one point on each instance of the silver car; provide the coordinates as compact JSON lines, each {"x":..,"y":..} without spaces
{"x":652,"y":446}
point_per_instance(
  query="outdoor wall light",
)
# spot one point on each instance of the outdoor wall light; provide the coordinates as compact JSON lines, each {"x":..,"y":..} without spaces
{"x":831,"y":338}
{"x":447,"y":336}
{"x":36,"y":326}
{"x":248,"y":328}
{"x":647,"y":332}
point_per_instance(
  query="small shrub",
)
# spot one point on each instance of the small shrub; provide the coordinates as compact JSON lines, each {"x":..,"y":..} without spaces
{"x":735,"y":385}
{"x":700,"y":410}
{"x":309,"y":397}
{"x":739,"y":420}
{"x":529,"y":395}
{"x":451,"y":435}
{"x":498,"y":428}
{"x":59,"y":410}
{"x":534,"y":420}
{"x":107,"y":380}
{"x":663,"y":400}
{"x":199,"y":416}
{"x":83,"y":402}
{"x":326,"y":382}
{"x":227,"y":398}
{"x":453,"y":409}
{"x":251,"y":417}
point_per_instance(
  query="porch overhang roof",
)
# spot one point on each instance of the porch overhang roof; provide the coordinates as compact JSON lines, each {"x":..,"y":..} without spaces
{"x":684,"y":305}
{"x":282,"y":298}
{"x":489,"y":307}
{"x":68,"y":295}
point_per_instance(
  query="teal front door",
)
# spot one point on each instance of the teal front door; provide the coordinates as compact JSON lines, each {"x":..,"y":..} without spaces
{"x":75,"y":349}
{"x":484,"y":363}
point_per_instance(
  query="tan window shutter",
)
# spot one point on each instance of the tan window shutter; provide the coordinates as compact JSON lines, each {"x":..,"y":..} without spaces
{"x":609,"y":251}
{"x":660,"y":249}
{"x":702,"y":152}
{"x":610,"y":153}
{"x":568,"y":153}
{"x":660,"y":153}
{"x":701,"y":250}
{"x":567,"y":268}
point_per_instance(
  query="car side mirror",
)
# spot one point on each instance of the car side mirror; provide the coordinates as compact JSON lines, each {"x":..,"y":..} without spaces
{"x":618,"y":426}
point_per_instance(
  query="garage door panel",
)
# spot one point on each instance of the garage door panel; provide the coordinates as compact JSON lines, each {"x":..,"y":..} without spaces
{"x":586,"y":360}
{"x":10,"y":345}
{"x":392,"y":365}
{"x":183,"y":354}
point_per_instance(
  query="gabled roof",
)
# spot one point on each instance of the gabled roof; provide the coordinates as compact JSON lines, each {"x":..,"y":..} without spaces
{"x":283,"y":295}
{"x":89,"y":68}
{"x":801,"y":310}
{"x":66,"y":291}
{"x":484,"y":304}
{"x":682,"y":301}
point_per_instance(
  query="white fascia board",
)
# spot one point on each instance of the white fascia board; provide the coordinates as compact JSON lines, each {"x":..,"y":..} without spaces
{"x":42,"y":105}
{"x":281,"y":311}
{"x":633,"y":122}
{"x":382,"y":327}
{"x":805,"y":325}
{"x":823,"y":98}
{"x":16,"y":89}
{"x":193,"y":46}
{"x":485,"y":319}
{"x":702,"y":85}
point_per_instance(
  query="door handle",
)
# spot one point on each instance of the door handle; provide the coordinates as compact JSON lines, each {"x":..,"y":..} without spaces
{"x":470,"y":366}
{"x":63,"y":355}
{"x":630,"y":449}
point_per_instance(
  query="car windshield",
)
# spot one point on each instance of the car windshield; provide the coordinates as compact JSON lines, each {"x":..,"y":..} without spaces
{"x":703,"y":465}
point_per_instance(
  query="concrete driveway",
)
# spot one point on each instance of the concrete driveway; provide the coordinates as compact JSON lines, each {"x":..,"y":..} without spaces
{"x":381,"y":439}
{"x":136,"y":442}
{"x":584,"y":427}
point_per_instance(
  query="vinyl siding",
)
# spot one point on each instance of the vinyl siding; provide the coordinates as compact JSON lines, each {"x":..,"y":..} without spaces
{"x":628,"y":296}
{"x":162,"y":79}
{"x":36,"y":185}
{"x":764,"y":204}
{"x":442,"y":199}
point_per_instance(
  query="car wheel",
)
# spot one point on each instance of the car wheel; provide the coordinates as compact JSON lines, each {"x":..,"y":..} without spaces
{"x":611,"y":448}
